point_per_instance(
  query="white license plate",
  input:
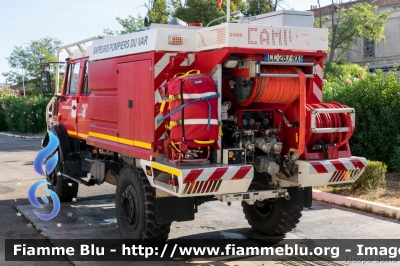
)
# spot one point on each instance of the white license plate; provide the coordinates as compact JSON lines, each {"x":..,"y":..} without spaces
{"x":283,"y":58}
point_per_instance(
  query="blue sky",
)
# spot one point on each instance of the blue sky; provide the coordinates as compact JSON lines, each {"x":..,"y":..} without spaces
{"x":22,"y":21}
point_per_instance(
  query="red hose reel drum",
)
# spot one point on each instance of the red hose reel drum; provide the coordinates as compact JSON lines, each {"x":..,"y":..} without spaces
{"x":274,"y":89}
{"x":334,"y":122}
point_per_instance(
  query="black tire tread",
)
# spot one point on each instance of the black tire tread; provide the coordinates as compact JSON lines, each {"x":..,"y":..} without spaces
{"x":64,"y":191}
{"x":290,"y":217}
{"x":68,"y":192}
{"x":284,"y":216}
{"x":153,"y":229}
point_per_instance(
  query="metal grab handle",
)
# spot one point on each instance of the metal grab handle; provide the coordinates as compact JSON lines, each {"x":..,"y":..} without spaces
{"x":255,"y":69}
{"x":284,"y":75}
{"x":314,"y":113}
{"x":278,"y":63}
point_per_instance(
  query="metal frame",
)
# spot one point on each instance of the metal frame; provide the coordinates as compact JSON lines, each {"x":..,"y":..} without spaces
{"x":255,"y":69}
{"x":314,"y":113}
{"x":67,"y":48}
{"x":251,"y":196}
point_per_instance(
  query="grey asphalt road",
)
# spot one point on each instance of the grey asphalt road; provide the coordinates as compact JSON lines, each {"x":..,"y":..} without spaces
{"x":94,"y":214}
{"x":16,"y":177}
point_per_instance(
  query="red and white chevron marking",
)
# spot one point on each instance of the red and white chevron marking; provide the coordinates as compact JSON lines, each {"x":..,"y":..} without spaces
{"x":161,"y":76}
{"x":220,"y":173}
{"x":317,"y":83}
{"x":331,"y":166}
{"x":316,"y":87}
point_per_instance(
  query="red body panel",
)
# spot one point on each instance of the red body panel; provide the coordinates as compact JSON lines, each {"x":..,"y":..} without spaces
{"x":122,"y":104}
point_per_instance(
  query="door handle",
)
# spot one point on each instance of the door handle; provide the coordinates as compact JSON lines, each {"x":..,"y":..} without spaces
{"x":73,"y":107}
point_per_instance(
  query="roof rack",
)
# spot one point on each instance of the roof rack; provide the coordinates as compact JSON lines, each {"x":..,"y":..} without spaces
{"x":67,"y":48}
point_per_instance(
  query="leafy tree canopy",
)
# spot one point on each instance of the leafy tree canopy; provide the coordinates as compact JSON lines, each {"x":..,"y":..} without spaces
{"x":157,"y":12}
{"x":347,"y":25}
{"x":130,"y":24}
{"x":200,"y":11}
{"x":27,"y":58}
{"x":203,"y":11}
{"x":256,"y":7}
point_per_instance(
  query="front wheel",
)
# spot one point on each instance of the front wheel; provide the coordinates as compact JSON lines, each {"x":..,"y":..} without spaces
{"x":65,"y":189}
{"x":136,"y":207}
{"x":275,"y":217}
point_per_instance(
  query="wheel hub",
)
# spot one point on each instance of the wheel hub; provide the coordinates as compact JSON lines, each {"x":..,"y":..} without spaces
{"x":129,"y":208}
{"x":264,"y":209}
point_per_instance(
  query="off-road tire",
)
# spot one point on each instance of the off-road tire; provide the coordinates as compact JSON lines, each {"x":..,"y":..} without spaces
{"x":277,"y":217}
{"x":66,"y":189}
{"x":136,"y":207}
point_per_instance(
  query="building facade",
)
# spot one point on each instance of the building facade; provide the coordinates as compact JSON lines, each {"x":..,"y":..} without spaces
{"x":376,"y":55}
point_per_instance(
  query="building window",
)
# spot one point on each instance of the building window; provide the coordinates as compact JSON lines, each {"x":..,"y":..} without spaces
{"x":369,"y":48}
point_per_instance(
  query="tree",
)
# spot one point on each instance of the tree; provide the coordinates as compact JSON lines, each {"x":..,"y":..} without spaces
{"x":256,"y":7}
{"x":157,"y":12}
{"x":274,"y":4}
{"x":203,"y":11}
{"x":130,"y":24}
{"x":361,"y":20}
{"x":27,"y":58}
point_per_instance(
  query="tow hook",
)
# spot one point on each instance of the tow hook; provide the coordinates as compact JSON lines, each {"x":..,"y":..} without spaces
{"x":284,"y":194}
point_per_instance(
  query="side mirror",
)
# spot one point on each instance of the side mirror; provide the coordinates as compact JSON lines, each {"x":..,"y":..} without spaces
{"x":45,"y":82}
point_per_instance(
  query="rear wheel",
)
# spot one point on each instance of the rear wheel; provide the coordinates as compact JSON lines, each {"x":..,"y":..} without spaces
{"x":65,"y":189}
{"x":136,"y":207}
{"x":275,"y":217}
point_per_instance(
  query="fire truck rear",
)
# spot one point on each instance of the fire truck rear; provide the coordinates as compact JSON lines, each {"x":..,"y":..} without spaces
{"x":176,"y":116}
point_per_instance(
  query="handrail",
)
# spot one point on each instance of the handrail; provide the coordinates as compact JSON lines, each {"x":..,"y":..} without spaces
{"x":67,"y":48}
{"x":256,"y":71}
{"x":49,"y":114}
{"x":314,"y":113}
{"x":279,"y":63}
{"x":284,"y":75}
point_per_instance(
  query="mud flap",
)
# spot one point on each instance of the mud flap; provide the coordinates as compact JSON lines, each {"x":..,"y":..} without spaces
{"x":171,"y":209}
{"x":307,"y":192}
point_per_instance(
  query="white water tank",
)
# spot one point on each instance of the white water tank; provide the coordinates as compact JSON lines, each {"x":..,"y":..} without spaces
{"x":281,"y":18}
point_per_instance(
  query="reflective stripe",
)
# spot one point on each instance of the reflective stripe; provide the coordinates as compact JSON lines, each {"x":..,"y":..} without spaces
{"x":204,"y":141}
{"x":331,"y":166}
{"x":167,"y":169}
{"x":121,"y":140}
{"x":200,"y":122}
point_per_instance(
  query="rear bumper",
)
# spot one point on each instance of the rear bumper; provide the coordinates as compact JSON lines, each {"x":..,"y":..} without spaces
{"x":218,"y":179}
{"x":200,"y":179}
{"x":329,"y":172}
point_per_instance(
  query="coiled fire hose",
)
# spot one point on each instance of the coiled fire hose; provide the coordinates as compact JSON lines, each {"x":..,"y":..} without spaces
{"x":282,"y":91}
{"x":288,"y":90}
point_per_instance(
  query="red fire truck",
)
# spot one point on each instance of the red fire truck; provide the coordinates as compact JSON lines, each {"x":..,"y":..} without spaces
{"x":176,"y":116}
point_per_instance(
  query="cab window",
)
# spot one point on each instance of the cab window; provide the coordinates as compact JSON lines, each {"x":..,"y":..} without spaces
{"x":86,"y":79}
{"x":73,"y":78}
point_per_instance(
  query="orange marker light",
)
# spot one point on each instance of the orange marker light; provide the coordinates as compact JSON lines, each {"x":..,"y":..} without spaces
{"x":346,"y":175}
{"x":176,"y":39}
